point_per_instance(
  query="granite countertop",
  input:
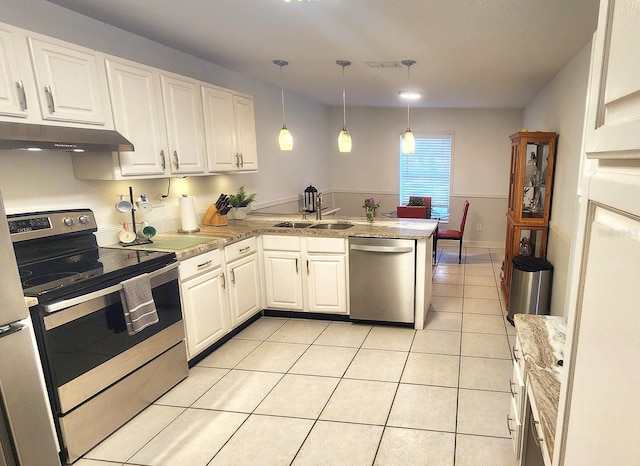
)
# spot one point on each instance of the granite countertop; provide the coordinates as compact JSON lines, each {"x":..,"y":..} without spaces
{"x":542,"y":339}
{"x":214,"y":237}
{"x":30,"y":301}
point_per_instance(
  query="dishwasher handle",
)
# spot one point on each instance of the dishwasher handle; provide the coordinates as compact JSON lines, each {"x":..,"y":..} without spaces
{"x":387,"y":249}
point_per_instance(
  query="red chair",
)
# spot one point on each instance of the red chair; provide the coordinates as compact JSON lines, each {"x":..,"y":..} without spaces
{"x":454,"y":234}
{"x":422,"y":211}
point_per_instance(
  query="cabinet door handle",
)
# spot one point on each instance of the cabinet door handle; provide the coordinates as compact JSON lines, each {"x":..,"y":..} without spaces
{"x":535,"y":425}
{"x":307,"y":267}
{"x":224,"y":281}
{"x":164,"y":163}
{"x":204,"y":264}
{"x":244,"y":249}
{"x":241,"y":159}
{"x":50,"y":103}
{"x":177,"y":160}
{"x":233,"y":276}
{"x":297,"y":270}
{"x":511,"y":384}
{"x":21,"y":95}
{"x":515,"y":354}
{"x":509,"y":425}
{"x":237,"y":160}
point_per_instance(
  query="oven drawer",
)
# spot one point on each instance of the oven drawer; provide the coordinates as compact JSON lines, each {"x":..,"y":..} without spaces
{"x":95,"y":420}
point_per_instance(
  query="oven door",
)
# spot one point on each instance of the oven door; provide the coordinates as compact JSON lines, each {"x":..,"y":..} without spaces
{"x":86,"y":344}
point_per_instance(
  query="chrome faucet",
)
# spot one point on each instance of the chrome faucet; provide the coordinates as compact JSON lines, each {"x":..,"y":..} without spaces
{"x":319,"y":206}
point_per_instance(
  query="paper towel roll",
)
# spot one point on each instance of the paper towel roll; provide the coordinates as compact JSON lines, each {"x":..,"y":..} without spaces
{"x":188,"y":216}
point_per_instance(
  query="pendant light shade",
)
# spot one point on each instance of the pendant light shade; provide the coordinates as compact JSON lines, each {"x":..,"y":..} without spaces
{"x":344,"y":138}
{"x":408,"y":140}
{"x":285,"y":140}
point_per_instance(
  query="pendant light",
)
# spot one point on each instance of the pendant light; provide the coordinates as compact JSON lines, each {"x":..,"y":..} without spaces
{"x":344,"y":138}
{"x":408,"y":141}
{"x":285,"y":140}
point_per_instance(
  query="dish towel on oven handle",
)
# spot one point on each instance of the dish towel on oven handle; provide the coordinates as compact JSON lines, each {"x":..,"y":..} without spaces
{"x":137,"y":303}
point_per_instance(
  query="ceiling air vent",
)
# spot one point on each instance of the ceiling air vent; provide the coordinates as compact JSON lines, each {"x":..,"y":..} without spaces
{"x":383,"y":64}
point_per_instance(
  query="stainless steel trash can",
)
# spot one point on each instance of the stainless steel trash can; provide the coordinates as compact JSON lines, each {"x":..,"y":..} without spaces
{"x":530,"y":289}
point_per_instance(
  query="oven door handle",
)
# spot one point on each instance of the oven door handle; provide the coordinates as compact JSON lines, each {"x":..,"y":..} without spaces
{"x":59,"y":305}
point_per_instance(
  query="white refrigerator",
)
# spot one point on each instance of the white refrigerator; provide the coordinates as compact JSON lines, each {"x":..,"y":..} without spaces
{"x":27,"y":437}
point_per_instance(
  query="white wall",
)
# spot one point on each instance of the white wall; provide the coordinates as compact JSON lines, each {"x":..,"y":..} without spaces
{"x":45,"y":181}
{"x":480,"y":171}
{"x":560,"y":107}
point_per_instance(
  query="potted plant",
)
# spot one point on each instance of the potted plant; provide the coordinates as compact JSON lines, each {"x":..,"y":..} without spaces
{"x":240,"y":202}
{"x":419,"y":202}
{"x":370,"y":208}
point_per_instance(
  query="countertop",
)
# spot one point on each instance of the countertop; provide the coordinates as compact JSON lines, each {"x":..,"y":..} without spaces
{"x":542,"y":339}
{"x":214,"y":237}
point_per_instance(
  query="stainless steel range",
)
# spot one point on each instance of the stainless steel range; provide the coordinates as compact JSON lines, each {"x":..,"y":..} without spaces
{"x":98,"y":375}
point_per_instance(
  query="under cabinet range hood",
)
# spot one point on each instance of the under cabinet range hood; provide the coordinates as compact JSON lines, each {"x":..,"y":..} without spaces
{"x":42,"y":137}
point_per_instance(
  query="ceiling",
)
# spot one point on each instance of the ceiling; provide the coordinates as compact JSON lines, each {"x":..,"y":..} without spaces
{"x":469,"y":53}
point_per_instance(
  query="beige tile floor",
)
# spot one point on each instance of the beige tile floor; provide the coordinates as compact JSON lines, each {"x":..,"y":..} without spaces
{"x":310,"y":392}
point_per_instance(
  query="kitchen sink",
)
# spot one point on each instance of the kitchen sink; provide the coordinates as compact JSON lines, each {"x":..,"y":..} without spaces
{"x":332,"y":226}
{"x":293,"y":225}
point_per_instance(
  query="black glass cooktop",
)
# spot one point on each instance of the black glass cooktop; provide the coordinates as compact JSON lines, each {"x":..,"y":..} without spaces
{"x":99,"y":267}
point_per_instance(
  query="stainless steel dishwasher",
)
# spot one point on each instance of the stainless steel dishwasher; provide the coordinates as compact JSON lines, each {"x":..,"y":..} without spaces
{"x":382,"y":275}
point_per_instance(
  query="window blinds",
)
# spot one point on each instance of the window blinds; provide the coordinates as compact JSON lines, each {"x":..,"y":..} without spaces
{"x":427,"y":172}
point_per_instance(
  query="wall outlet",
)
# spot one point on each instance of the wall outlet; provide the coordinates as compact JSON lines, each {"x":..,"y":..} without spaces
{"x":478,"y":226}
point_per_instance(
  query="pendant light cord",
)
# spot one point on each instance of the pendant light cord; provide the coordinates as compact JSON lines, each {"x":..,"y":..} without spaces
{"x":284,"y":125}
{"x":344,"y":63}
{"x":408,"y":100}
{"x":344,"y":103}
{"x":408,"y":64}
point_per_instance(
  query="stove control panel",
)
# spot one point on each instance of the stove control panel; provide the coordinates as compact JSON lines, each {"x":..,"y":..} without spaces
{"x":21,"y":226}
{"x":44,"y":224}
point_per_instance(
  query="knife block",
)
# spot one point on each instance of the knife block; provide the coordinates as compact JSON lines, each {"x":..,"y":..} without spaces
{"x":213,"y":217}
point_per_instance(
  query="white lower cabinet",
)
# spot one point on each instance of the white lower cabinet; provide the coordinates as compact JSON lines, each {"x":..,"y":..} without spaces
{"x":305,"y":274}
{"x":283,"y":280}
{"x":204,"y":301}
{"x":327,"y":283}
{"x":243,"y":276}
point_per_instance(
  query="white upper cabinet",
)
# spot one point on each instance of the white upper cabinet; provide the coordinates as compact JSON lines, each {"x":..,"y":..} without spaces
{"x":139,"y":116}
{"x":230,"y":130}
{"x":246,"y":148}
{"x":613,"y":118}
{"x":219,"y":129}
{"x":70,"y":81}
{"x":46,"y":81}
{"x":13,"y":99}
{"x":185,"y":126}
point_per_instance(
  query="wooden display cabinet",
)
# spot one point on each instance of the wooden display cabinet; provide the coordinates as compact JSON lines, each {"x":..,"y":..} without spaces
{"x":529,"y":205}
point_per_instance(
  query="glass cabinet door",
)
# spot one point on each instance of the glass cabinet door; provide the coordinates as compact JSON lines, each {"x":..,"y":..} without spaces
{"x":535,"y":180}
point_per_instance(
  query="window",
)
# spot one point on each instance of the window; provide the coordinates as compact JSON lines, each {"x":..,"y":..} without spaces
{"x":427,"y":172}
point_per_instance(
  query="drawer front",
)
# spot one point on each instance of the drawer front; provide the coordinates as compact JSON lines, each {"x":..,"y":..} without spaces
{"x":240,"y":249}
{"x":515,"y":430}
{"x":281,"y":243}
{"x":518,"y":393}
{"x":518,"y":357}
{"x":327,"y":245}
{"x":200,"y":264}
